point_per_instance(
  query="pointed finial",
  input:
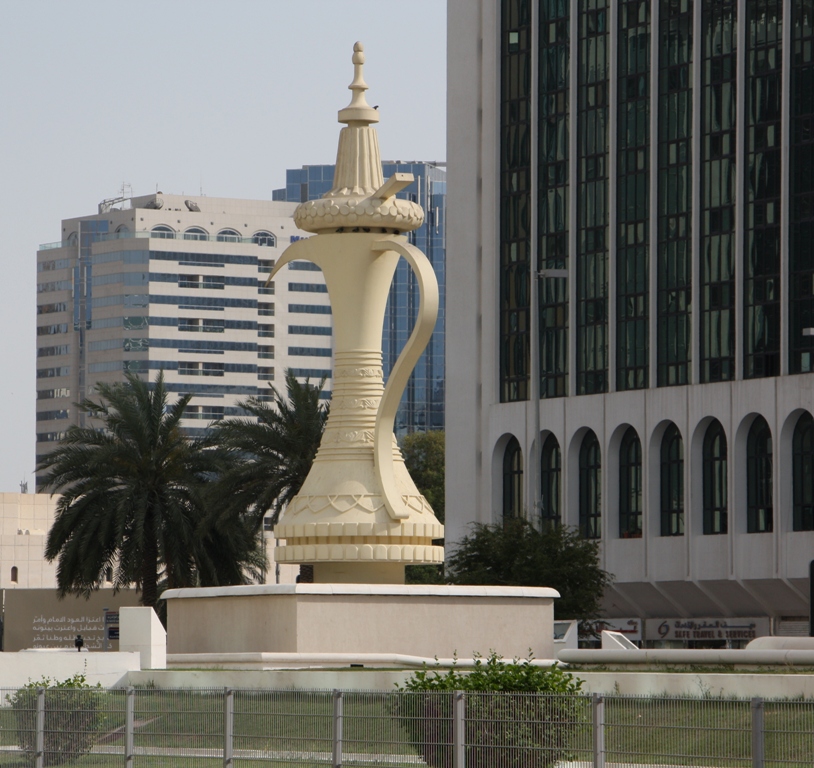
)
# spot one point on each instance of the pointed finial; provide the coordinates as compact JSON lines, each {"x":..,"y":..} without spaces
{"x":358,"y":110}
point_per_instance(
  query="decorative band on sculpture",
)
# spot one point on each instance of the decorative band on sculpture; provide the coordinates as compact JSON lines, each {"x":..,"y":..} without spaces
{"x":336,"y":530}
{"x":392,"y":553}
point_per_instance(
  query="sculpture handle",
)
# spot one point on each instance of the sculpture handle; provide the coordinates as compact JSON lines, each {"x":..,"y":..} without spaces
{"x":397,"y":381}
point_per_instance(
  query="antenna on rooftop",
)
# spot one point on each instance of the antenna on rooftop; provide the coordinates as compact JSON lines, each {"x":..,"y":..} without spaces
{"x":23,"y":486}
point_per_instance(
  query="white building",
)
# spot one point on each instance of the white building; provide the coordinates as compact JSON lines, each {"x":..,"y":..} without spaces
{"x":174,"y":283}
{"x":629,"y":217}
{"x":25,"y":519}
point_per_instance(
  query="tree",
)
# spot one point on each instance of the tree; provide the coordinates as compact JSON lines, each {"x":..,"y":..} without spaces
{"x":518,"y":554}
{"x":135,"y":499}
{"x":273,"y":450}
{"x":424,"y":455}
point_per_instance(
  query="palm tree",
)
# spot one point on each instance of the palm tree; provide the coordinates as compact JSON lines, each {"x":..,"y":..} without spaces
{"x":274,"y":449}
{"x":135,"y":498}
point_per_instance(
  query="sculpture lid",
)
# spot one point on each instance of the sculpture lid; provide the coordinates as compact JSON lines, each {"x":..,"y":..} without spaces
{"x":360,"y":200}
{"x":358,"y":110}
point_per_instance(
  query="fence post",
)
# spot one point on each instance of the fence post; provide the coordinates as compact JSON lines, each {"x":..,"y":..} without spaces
{"x":758,"y":743}
{"x":338,"y":709}
{"x":39,"y":754}
{"x":228,"y":726}
{"x":458,"y":730}
{"x":129,"y":725}
{"x":598,"y":708}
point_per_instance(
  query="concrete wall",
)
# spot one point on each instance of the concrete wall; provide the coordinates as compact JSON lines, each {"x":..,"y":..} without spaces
{"x":322,"y":618}
{"x":37,"y":618}
{"x":108,"y":669}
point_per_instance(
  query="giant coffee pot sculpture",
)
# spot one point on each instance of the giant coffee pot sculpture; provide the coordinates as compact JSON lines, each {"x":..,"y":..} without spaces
{"x":358,"y":516}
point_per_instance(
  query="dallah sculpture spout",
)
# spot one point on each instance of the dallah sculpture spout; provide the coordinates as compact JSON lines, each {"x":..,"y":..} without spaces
{"x":358,"y":516}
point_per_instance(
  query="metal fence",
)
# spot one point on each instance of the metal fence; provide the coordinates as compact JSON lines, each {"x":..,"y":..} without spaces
{"x":213,"y":727}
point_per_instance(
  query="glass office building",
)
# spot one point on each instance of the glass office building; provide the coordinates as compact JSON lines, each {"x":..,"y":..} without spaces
{"x":632,"y":354}
{"x":422,"y":406}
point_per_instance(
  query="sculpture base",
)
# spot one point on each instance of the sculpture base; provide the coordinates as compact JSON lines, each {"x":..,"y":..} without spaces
{"x":213,"y":626}
{"x":358,"y":573}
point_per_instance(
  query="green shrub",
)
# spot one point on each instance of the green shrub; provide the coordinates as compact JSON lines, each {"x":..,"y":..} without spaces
{"x":525,"y":729}
{"x":74,"y":715}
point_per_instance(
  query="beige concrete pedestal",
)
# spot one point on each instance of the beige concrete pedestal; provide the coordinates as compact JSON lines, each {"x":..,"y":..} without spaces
{"x":217,"y":626}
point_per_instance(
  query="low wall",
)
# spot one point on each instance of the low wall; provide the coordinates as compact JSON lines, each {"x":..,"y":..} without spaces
{"x":417,"y":620}
{"x":109,"y":669}
{"x":768,"y":685}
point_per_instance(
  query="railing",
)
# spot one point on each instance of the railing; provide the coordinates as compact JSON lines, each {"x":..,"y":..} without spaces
{"x":134,"y":727}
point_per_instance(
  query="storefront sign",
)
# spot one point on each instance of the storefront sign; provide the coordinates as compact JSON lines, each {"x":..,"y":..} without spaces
{"x":707,"y":629}
{"x":630,"y":628}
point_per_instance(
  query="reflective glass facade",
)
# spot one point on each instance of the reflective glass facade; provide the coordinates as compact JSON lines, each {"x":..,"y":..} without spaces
{"x":515,"y":200}
{"x":801,"y":194}
{"x":715,"y":479}
{"x":674,"y":254}
{"x":590,"y":488}
{"x":592,"y":196}
{"x":630,"y":486}
{"x":762,"y":192}
{"x":632,"y":194}
{"x":513,"y":481}
{"x":718,"y":194}
{"x":553,"y":127}
{"x":422,"y":405}
{"x":672,"y":483}
{"x":550,"y":479}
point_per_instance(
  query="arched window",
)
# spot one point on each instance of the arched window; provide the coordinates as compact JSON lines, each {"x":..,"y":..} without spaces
{"x":672,"y":483}
{"x":630,"y":486}
{"x":195,"y":233}
{"x":14,"y":573}
{"x":714,"y":472}
{"x":550,"y":468}
{"x":759,"y":508}
{"x":163,"y":231}
{"x":803,"y":474}
{"x":122,"y":229}
{"x":590,"y":488}
{"x":228,"y":236}
{"x":512,"y":480}
{"x":264,"y":238}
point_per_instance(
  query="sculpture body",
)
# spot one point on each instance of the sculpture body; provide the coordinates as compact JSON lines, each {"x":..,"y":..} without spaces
{"x":359,"y":517}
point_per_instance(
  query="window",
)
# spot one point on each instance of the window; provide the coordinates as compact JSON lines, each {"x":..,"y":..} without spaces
{"x":759,"y":508}
{"x":215,"y":282}
{"x":762,"y":189}
{"x":228,"y":236}
{"x":265,"y":289}
{"x":630,"y":486}
{"x":265,"y":265}
{"x":590,"y":488}
{"x":550,"y":474}
{"x":633,"y":195}
{"x":715,"y":477}
{"x":674,"y":269}
{"x":803,"y":474}
{"x":310,"y":330}
{"x":162,"y":231}
{"x":265,"y":352}
{"x":264,"y":238}
{"x":265,"y":373}
{"x":187,"y":368}
{"x":672,"y":483}
{"x":265,"y":308}
{"x":195,"y":233}
{"x":204,"y":412}
{"x":265,"y":331}
{"x":308,"y":287}
{"x":512,"y":480}
{"x":515,"y":199}
{"x":14,"y":574}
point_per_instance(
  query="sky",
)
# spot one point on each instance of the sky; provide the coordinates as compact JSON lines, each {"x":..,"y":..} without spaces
{"x":213,"y":97}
